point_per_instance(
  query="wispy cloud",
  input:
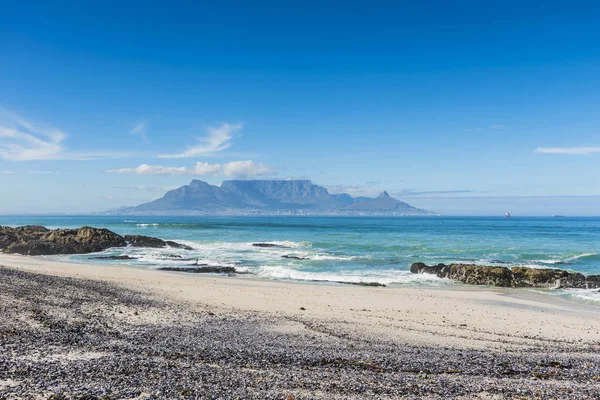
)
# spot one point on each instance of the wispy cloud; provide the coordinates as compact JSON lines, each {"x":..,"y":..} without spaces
{"x":23,"y":140}
{"x":582,"y":151}
{"x":240,"y":169}
{"x":6,"y":172}
{"x":140,"y":129}
{"x":218,"y":139}
{"x":146,"y":188}
{"x":497,"y":126}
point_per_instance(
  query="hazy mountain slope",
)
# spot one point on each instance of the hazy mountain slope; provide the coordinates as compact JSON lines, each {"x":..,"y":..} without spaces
{"x":383,"y":202}
{"x":267,"y":196}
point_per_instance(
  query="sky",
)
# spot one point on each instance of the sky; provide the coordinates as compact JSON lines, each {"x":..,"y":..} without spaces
{"x":463,"y":108}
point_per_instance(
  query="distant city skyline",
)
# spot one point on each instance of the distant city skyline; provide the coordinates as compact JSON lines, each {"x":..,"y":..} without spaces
{"x":462,"y":109}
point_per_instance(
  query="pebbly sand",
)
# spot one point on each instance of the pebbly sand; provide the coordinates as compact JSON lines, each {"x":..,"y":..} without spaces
{"x":113,"y":332}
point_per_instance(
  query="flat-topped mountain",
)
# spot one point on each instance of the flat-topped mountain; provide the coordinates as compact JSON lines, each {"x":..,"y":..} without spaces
{"x":268,"y":197}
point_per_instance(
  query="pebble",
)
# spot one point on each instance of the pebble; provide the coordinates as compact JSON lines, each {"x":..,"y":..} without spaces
{"x":60,"y":339}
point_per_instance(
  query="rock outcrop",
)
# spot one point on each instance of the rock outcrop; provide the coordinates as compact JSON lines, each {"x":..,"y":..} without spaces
{"x":152,"y":242}
{"x":37,"y":240}
{"x":33,"y":240}
{"x":509,"y":277}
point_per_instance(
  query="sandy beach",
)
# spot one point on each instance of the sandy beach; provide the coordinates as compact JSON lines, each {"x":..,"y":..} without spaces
{"x":283,"y":340}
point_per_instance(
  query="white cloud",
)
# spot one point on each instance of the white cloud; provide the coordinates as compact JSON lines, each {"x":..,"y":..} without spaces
{"x":20,"y":140}
{"x":218,"y":139}
{"x":140,"y":129}
{"x":241,"y":169}
{"x":145,"y":188}
{"x":6,"y":172}
{"x":584,"y":151}
{"x":353,"y":190}
{"x":245,"y":169}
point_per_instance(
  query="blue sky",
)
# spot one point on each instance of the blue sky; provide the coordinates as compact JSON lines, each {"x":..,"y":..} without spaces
{"x":459,"y":107}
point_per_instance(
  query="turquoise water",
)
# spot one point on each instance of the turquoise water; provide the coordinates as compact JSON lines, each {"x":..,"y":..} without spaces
{"x":353,"y":248}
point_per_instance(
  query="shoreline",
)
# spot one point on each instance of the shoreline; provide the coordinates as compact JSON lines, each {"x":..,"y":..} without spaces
{"x":110,"y":332}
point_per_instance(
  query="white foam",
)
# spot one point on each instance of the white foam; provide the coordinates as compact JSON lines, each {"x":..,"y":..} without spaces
{"x":585,"y":294}
{"x":580,"y":294}
{"x":385,"y":277}
{"x":330,"y":257}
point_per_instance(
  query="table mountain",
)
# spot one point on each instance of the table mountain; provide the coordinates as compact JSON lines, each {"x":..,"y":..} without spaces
{"x":268,"y":196}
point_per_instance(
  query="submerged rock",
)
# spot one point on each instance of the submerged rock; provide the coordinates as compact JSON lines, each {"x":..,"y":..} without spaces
{"x":113,"y":258}
{"x":202,"y":270}
{"x":295,"y":257}
{"x":37,"y":240}
{"x":509,"y":277}
{"x":152,"y":242}
{"x":370,"y":284}
{"x":176,"y":245}
{"x":269,"y":245}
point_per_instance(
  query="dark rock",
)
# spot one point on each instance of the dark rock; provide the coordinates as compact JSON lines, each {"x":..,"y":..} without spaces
{"x":533,"y":277}
{"x":509,"y":277}
{"x":592,"y":281}
{"x":172,"y":256}
{"x":37,"y":240}
{"x":152,"y":242}
{"x":37,"y":248}
{"x":421,"y":268}
{"x":269,"y":245}
{"x":478,"y":275}
{"x":371,"y":284}
{"x":113,"y":258}
{"x":144,"y":241}
{"x":176,"y":245}
{"x":295,"y":257}
{"x":202,"y":270}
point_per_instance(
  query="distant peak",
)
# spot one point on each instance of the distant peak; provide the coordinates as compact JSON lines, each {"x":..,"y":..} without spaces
{"x":197,"y":182}
{"x":384,"y":194}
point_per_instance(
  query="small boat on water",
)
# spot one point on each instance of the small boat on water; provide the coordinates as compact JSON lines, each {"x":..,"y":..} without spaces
{"x":507,"y":214}
{"x":558,"y":216}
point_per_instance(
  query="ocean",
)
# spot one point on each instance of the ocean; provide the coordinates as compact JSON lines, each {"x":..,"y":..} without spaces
{"x":352,"y":249}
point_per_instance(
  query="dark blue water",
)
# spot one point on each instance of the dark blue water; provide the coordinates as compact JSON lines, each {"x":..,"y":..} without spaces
{"x":353,"y":248}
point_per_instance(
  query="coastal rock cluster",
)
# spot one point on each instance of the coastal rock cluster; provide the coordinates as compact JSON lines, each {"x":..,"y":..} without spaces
{"x":33,"y":240}
{"x":509,"y":277}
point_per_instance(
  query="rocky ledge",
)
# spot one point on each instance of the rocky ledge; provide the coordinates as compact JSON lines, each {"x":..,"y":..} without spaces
{"x":147,"y":241}
{"x":36,"y":240}
{"x":509,"y":277}
{"x":33,"y":240}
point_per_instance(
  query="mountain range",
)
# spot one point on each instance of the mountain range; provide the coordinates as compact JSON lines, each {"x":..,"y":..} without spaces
{"x":269,"y":197}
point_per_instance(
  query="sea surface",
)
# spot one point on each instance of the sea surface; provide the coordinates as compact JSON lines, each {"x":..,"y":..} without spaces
{"x":353,"y":249}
